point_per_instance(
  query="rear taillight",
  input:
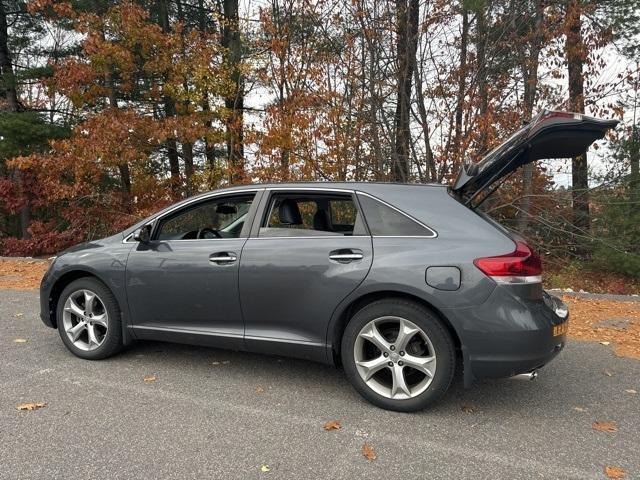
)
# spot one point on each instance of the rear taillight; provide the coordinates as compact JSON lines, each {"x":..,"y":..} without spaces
{"x":520,"y":266}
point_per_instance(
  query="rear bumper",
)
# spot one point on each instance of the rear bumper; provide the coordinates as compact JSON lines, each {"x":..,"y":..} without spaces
{"x":507,"y":335}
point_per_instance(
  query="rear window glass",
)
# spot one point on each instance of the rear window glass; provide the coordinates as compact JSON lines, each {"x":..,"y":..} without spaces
{"x":384,"y":221}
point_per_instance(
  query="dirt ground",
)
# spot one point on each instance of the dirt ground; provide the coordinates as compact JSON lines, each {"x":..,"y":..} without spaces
{"x":609,"y":322}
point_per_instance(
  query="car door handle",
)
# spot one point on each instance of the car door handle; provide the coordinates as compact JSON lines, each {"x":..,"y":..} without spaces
{"x":345,"y":255}
{"x":222,"y":258}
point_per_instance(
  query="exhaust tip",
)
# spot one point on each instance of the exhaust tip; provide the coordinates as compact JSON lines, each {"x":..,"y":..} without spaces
{"x":526,"y":376}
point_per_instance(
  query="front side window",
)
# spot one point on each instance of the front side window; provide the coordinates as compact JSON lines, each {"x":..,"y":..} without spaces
{"x":385,"y":221}
{"x":217,"y":218}
{"x":311,"y":215}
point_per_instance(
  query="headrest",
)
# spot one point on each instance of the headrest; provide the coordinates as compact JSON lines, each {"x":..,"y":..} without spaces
{"x":321,"y":221}
{"x":289,"y":213}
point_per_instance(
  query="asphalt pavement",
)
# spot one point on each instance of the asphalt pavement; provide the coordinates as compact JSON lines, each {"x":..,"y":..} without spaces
{"x":215,"y":414}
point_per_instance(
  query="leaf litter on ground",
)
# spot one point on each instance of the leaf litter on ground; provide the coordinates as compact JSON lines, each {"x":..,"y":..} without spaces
{"x":332,"y":425}
{"x":601,"y":426}
{"x":468,"y":408}
{"x":614,"y":472}
{"x":29,"y":406}
{"x":368,"y":452}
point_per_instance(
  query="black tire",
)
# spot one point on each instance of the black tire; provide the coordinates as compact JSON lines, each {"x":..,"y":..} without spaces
{"x":112,"y":342}
{"x":425,"y":319}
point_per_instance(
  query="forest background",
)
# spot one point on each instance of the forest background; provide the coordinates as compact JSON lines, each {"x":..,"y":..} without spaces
{"x":110,"y":110}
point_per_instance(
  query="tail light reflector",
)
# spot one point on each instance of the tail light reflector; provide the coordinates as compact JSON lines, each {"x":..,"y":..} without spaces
{"x":520,"y":266}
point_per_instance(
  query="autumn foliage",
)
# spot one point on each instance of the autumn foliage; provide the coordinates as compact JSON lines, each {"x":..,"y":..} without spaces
{"x":129,"y":106}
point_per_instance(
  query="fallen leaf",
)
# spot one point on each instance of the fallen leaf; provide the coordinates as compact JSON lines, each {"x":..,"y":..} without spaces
{"x":265,"y":468}
{"x":468,"y":408}
{"x":607,"y":373}
{"x":31,"y":406}
{"x":332,"y":425}
{"x":605,"y":343}
{"x":614,"y":472}
{"x":259,"y":389}
{"x":631,"y":391}
{"x":20,"y":340}
{"x":149,"y":378}
{"x":19,"y":315}
{"x":580,"y":409}
{"x":367,"y":451}
{"x":605,"y":426}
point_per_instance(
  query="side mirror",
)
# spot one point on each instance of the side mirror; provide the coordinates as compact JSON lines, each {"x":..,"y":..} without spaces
{"x":142,"y":235}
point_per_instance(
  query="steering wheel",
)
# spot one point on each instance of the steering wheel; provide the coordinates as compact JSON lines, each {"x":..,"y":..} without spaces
{"x":208,"y":233}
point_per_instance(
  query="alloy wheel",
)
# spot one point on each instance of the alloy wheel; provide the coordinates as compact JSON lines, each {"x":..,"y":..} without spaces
{"x":85,"y":320}
{"x":395,"y":357}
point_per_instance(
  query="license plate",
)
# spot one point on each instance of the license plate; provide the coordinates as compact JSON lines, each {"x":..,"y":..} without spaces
{"x":561,"y":329}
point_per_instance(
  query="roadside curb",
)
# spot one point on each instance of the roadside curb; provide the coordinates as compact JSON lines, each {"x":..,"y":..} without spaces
{"x":596,"y":296}
{"x":25,"y":259}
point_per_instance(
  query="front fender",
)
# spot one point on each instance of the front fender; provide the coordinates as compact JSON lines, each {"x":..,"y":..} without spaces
{"x":106,"y":264}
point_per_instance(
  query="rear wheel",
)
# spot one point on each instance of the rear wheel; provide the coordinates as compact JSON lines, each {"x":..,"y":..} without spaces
{"x":398,"y":355}
{"x":89,"y":319}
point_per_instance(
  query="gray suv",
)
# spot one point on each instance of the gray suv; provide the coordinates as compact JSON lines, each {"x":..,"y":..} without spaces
{"x":393,"y":282}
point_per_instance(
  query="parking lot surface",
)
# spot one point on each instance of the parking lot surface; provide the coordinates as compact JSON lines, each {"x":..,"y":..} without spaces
{"x":218,"y":414}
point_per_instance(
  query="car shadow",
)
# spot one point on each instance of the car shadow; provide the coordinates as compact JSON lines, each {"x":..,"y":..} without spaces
{"x":553,"y":391}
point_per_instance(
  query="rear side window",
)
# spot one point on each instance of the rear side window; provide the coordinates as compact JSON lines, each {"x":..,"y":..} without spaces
{"x":312,"y":215}
{"x":385,"y":221}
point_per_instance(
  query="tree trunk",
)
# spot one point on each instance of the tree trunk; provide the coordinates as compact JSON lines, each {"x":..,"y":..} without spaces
{"x":123,"y":169}
{"x":634,"y":158}
{"x":170,"y":110}
{"x":529,"y":68}
{"x":187,"y":155}
{"x":483,"y":94}
{"x":634,"y":150}
{"x":10,"y":103}
{"x":431,"y":174}
{"x":7,"y":76}
{"x":234,"y":102}
{"x":575,"y":52}
{"x":407,"y":38}
{"x":209,"y":148}
{"x":462,"y":83}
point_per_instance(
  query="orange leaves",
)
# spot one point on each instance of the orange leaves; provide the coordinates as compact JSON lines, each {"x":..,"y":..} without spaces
{"x":51,"y":8}
{"x":589,"y":319}
{"x":609,"y":427}
{"x":16,"y":274}
{"x":368,"y":452}
{"x":614,"y":472}
{"x":149,"y":378}
{"x":31,"y":406}
{"x":332,"y":425}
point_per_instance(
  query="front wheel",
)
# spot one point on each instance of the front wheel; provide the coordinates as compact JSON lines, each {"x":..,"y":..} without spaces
{"x":89,"y":319}
{"x":398,"y":355}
